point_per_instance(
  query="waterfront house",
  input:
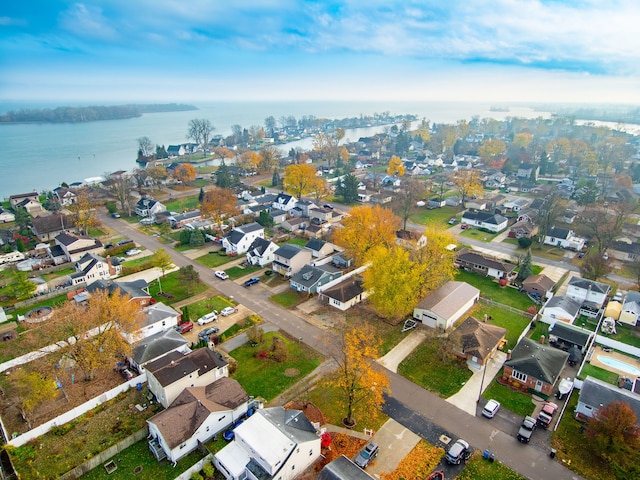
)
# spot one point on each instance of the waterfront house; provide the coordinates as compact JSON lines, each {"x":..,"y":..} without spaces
{"x":75,"y":248}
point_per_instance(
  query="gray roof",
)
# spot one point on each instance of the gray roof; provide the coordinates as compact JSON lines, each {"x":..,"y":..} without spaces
{"x":157,"y":346}
{"x":315,"y":244}
{"x":250,"y":227}
{"x":288,"y":250}
{"x":595,"y":392}
{"x":466,"y":255}
{"x":310,"y":275}
{"x":259,"y":246}
{"x":570,"y":333}
{"x":537,"y":360}
{"x":134,"y":289}
{"x":158,"y":312}
{"x":342,"y":468}
{"x":589,"y":285}
{"x":293,"y":423}
{"x":559,"y":233}
{"x":345,"y":290}
{"x":447,"y":300}
{"x":566,"y":303}
{"x":485,"y":217}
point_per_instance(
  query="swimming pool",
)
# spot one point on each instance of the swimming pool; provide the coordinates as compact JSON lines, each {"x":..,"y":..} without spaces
{"x":619,"y":365}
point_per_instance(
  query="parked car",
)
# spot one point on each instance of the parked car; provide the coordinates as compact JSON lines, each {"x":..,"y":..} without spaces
{"x":526,"y":429}
{"x":226,"y":311}
{"x":545,"y":417}
{"x":328,"y":205}
{"x":228,"y":434}
{"x":251,"y":281}
{"x":453,"y":221}
{"x":458,"y":452}
{"x":184,"y":327}
{"x":491,"y":408}
{"x":368,"y":453}
{"x":221,"y":275}
{"x":145,"y":221}
{"x":126,"y":374}
{"x":464,"y":226}
{"x":208,"y":318}
{"x":204,"y":334}
{"x":133,"y":251}
{"x":115,"y":215}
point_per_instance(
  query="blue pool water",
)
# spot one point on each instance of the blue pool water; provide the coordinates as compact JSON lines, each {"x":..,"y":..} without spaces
{"x":617,"y":364}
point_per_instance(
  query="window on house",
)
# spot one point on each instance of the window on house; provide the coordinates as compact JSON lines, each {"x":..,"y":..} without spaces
{"x":519,"y":376}
{"x":310,"y":452}
{"x":222,"y":418}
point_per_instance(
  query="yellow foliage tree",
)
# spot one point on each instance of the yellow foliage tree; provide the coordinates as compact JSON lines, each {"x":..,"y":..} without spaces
{"x":361,"y":384}
{"x":491,"y":149}
{"x":33,"y":389}
{"x":367,"y":227}
{"x":394,"y":281}
{"x":395,"y":166}
{"x":185,"y":173}
{"x":468,"y":183}
{"x":522,"y":139}
{"x":299,"y":179}
{"x":217,"y":204}
{"x":83,"y":213}
{"x":435,"y":259}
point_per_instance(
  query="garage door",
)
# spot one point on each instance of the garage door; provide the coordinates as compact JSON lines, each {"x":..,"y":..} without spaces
{"x":429,"y":320}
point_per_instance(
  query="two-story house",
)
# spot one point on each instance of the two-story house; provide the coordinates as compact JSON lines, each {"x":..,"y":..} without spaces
{"x":309,"y":278}
{"x":156,"y":318}
{"x":240,"y":238}
{"x":289,"y":259}
{"x":47,"y":228}
{"x":92,"y":268}
{"x":591,"y":295}
{"x":148,"y":207}
{"x":76,"y":247}
{"x":261,"y":252}
{"x":284,"y":202}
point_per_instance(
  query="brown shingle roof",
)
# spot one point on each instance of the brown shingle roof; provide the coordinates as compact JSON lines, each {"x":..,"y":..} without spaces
{"x":52,"y":223}
{"x":477,"y":338}
{"x":171,"y":368}
{"x":345,"y":291}
{"x":542,"y":280}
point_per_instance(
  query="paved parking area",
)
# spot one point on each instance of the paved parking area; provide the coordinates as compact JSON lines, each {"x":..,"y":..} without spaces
{"x":395,"y":442}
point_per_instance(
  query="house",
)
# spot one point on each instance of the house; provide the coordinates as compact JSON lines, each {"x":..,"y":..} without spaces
{"x":437,"y":202}
{"x":176,"y":151}
{"x":157,"y":346}
{"x":344,"y":292}
{"x":293,"y":445}
{"x":284,"y":202}
{"x":381,"y":198}
{"x":295,"y":224}
{"x":364,"y":196}
{"x":565,"y":238}
{"x":538,"y":285}
{"x":535,"y":366}
{"x":595,"y":394}
{"x":261,"y":252}
{"x":624,"y":251}
{"x":76,"y":247}
{"x":92,"y":268}
{"x":476,"y":204}
{"x":137,"y":290}
{"x":493,"y":222}
{"x":6,"y":216}
{"x":66,"y":196}
{"x":179,"y":220}
{"x":148,"y":207}
{"x":343,"y":468}
{"x":168,"y":376}
{"x":320,"y":248}
{"x":289,"y":259}
{"x":478,"y":341}
{"x":49,"y":227}
{"x":240,"y":238}
{"x":528,"y":215}
{"x":446,"y":305}
{"x":320,"y":215}
{"x":560,"y":308}
{"x":516,"y":205}
{"x":523,"y":229}
{"x":564,"y":336}
{"x":156,"y":318}
{"x":278,"y":216}
{"x":410,"y":239}
{"x":341,"y":260}
{"x":309,"y":278}
{"x":195,"y":416}
{"x":528,"y":171}
{"x":305,"y":207}
{"x":630,"y":309}
{"x":16,"y":200}
{"x":590,"y":294}
{"x":485,"y":265}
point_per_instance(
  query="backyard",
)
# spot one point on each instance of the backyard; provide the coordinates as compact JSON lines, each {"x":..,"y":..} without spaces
{"x":513,"y":322}
{"x":439,"y":216}
{"x":493,"y":291}
{"x":175,"y":289}
{"x":600,"y":373}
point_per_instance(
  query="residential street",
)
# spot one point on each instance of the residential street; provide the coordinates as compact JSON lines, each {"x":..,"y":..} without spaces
{"x":408,"y":401}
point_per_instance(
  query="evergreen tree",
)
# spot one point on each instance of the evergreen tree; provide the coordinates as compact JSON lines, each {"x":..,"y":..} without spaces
{"x":526,"y":267}
{"x":197,"y":239}
{"x":201,"y":195}
{"x":348,"y":188}
{"x":275,"y":180}
{"x":185,"y":237}
{"x":223,"y":177}
{"x":265,"y":219}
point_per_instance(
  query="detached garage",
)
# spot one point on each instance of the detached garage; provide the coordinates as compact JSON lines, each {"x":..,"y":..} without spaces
{"x":446,"y":305}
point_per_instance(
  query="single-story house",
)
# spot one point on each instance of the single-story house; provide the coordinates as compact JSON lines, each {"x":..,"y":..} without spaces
{"x":565,"y":238}
{"x":485,"y":265}
{"x":535,"y":366}
{"x":624,"y":251}
{"x":179,"y":220}
{"x":516,"y":205}
{"x":540,"y":285}
{"x":478,"y":341}
{"x":157,"y":346}
{"x":293,"y":445}
{"x":309,"y":278}
{"x":168,"y":376}
{"x":564,"y":336}
{"x":343,"y":468}
{"x":523,"y":229}
{"x":294,"y":224}
{"x":493,"y":222}
{"x":595,"y":394}
{"x":344,"y":294}
{"x":49,"y":227}
{"x":137,"y":290}
{"x":195,"y":416}
{"x":476,"y":204}
{"x":630,"y":309}
{"x":240,"y":238}
{"x":289,"y":259}
{"x":444,"y":306}
{"x":261,"y":252}
{"x":560,"y":308}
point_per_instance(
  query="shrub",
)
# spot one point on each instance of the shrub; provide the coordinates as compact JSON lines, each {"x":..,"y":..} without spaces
{"x":525,"y":242}
{"x":278,"y":349}
{"x":208,"y":470}
{"x":196,"y":476}
{"x":262,"y":354}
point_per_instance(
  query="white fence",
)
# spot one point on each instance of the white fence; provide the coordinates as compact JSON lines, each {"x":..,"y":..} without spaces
{"x":186,"y":475}
{"x":623,"y":347}
{"x":75,"y":412}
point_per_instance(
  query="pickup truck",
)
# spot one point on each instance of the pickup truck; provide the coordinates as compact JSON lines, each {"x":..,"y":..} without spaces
{"x":545,"y":417}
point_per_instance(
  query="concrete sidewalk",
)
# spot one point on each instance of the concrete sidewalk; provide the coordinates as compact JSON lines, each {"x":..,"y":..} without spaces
{"x":398,"y":353}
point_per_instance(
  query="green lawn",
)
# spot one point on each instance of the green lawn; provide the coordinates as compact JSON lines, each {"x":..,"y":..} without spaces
{"x":139,"y":455}
{"x":541,"y":328}
{"x":215,"y":259}
{"x":181,"y":204}
{"x":626,"y":334}
{"x":301,"y":242}
{"x":516,"y":402}
{"x":391,"y":335}
{"x":478,"y":468}
{"x":599,"y":373}
{"x":514,"y":323}
{"x":493,"y":291}
{"x":201,"y":307}
{"x":136,"y":262}
{"x":239,"y":327}
{"x":478,"y":234}
{"x":437,"y":215}
{"x":424,"y":367}
{"x":289,"y":298}
{"x":238,"y":271}
{"x":60,"y":273}
{"x":268,"y":378}
{"x":175,"y":289}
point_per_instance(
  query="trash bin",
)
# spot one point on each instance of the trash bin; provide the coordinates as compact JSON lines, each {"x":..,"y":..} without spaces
{"x":552,"y":454}
{"x":492,"y":457}
{"x":486,"y":454}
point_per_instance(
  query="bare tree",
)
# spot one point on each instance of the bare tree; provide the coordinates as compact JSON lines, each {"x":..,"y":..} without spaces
{"x":121,"y":186}
{"x":200,"y":131}
{"x":146,"y":146}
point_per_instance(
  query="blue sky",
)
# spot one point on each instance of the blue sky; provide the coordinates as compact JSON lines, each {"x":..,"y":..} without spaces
{"x":179,"y":50}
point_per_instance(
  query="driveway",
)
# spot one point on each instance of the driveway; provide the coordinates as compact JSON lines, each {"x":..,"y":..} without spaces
{"x":398,"y":353}
{"x":395,"y":442}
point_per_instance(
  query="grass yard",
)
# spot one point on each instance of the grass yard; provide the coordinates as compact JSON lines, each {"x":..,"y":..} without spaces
{"x":239,"y":327}
{"x":301,"y":242}
{"x":493,"y":291}
{"x":266,"y":377}
{"x":60,"y":273}
{"x":547,"y":251}
{"x":391,"y":335}
{"x":214,"y":259}
{"x":96,"y":232}
{"x":289,"y":299}
{"x":516,"y":402}
{"x":137,"y":262}
{"x":540,"y":329}
{"x":181,"y":204}
{"x":626,"y":334}
{"x":478,"y":234}
{"x":238,"y":271}
{"x":514,"y":323}
{"x":424,"y":367}
{"x":199,"y":308}
{"x":599,"y":373}
{"x":174,"y":289}
{"x":439,"y":216}
{"x":478,"y":468}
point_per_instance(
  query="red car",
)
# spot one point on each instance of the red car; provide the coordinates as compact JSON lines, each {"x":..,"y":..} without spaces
{"x":184,"y":327}
{"x":464,"y":226}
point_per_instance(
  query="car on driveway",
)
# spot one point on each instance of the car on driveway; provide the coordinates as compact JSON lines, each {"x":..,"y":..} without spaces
{"x":204,"y":334}
{"x":226,"y":311}
{"x":221,"y":275}
{"x":184,"y":327}
{"x":133,"y":251}
{"x":464,"y":226}
{"x":251,"y":281}
{"x":458,"y":452}
{"x":453,"y":221}
{"x":115,"y":215}
{"x":526,"y":429}
{"x":366,"y":455}
{"x":208,"y":318}
{"x":545,"y":417}
{"x":491,"y":408}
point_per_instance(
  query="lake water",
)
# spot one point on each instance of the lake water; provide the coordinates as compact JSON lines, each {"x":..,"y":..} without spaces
{"x":42,"y":156}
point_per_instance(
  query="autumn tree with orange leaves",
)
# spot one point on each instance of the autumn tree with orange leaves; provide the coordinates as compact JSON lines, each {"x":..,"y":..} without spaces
{"x":218,"y":204}
{"x":367,"y":227}
{"x":361,"y":385}
{"x":185,"y":173}
{"x":395,"y":166}
{"x":300,"y":179}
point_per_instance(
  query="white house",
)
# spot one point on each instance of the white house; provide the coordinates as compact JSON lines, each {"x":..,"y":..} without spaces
{"x":595,"y":394}
{"x":156,"y":346}
{"x":195,"y":416}
{"x":6,"y":216}
{"x":156,"y":318}
{"x":261,"y":252}
{"x":171,"y":374}
{"x":446,"y":305}
{"x":284,"y":202}
{"x":75,"y":248}
{"x":273,"y":443}
{"x":148,"y":207}
{"x":493,"y":222}
{"x":630,"y":309}
{"x":565,"y":238}
{"x":240,"y":238}
{"x":560,"y":308}
{"x":591,"y":295}
{"x":92,"y":268}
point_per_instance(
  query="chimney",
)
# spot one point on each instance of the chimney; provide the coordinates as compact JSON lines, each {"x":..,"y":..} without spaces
{"x":508,"y":354}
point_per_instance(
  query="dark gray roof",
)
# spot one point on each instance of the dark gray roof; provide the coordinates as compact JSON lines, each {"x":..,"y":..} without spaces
{"x":259,"y":246}
{"x":566,"y":303}
{"x":234,"y":236}
{"x":276,"y":212}
{"x":293,"y":423}
{"x":345,"y":290}
{"x":633,"y":248}
{"x":134,"y":289}
{"x":570,"y":333}
{"x":537,"y":360}
{"x":470,"y":256}
{"x":559,"y":233}
{"x":157,"y":346}
{"x":589,"y":285}
{"x":288,"y":250}
{"x":343,"y":468}
{"x":310,"y":275}
{"x":485,"y":217}
{"x":315,"y":244}
{"x":250,"y":227}
{"x":595,"y":392}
